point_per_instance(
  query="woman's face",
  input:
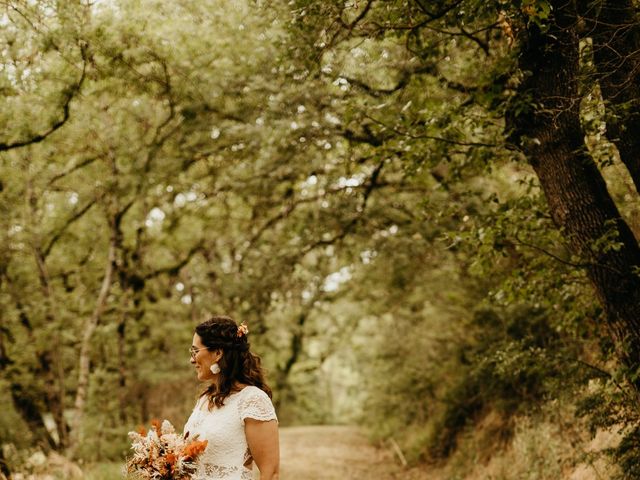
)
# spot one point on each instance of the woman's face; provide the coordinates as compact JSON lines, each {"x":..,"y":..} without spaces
{"x":203,"y":358}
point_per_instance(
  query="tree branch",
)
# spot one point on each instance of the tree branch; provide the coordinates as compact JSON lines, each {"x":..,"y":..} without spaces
{"x":549,"y":254}
{"x":76,"y":216}
{"x":69,"y":95}
{"x":361,"y":15}
{"x":174,"y":269}
{"x":439,"y":14}
{"x":372,"y":184}
{"x":72,"y":169}
{"x":432,"y":137}
{"x":369,"y":137}
{"x":406,"y":76}
{"x":470,"y":35}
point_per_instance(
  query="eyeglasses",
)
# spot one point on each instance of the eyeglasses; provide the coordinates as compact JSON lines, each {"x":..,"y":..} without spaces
{"x":194,"y":351}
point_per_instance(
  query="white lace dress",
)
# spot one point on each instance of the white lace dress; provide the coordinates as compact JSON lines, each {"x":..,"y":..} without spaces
{"x":227,"y":452}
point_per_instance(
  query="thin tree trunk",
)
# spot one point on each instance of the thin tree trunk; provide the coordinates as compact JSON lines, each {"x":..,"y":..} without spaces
{"x":85,"y":348}
{"x":4,"y":468}
{"x":25,"y":399}
{"x":283,"y":371}
{"x":27,"y":407}
{"x":50,"y":358}
{"x":616,"y":52}
{"x":122,"y":366}
{"x":551,"y":137}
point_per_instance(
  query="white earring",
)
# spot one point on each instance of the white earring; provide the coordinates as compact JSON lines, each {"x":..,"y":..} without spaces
{"x":215,"y":368}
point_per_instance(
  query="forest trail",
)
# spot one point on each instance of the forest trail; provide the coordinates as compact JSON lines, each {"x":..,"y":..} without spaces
{"x":335,"y":453}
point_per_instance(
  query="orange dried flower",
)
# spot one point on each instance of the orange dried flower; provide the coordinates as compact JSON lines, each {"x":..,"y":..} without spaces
{"x":156,"y":424}
{"x":194,"y":449}
{"x":141,"y":430}
{"x":167,"y":457}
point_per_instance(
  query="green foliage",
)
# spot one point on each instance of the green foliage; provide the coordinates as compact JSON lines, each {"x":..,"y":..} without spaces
{"x":337,"y":174}
{"x":13,"y":430}
{"x":516,"y":362}
{"x":626,"y":454}
{"x":606,"y":408}
{"x":536,"y":11}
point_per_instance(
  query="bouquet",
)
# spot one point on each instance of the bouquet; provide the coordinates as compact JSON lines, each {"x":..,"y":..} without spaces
{"x":162,"y":454}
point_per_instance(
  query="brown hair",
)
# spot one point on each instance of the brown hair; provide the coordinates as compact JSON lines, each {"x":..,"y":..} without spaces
{"x":237,"y":363}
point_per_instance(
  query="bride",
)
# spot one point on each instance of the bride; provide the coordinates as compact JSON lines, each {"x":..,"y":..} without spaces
{"x":234,"y":414}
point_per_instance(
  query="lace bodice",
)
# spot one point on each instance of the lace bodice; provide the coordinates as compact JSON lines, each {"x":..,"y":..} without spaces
{"x":227,"y":452}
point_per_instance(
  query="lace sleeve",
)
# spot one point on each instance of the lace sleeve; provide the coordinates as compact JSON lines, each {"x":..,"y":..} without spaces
{"x":256,"y":404}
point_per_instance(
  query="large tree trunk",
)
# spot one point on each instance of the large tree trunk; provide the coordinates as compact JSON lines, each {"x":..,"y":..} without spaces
{"x":616,"y":52}
{"x":551,"y":136}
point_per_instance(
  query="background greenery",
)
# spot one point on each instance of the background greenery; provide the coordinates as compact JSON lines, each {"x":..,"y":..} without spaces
{"x":338,"y":175}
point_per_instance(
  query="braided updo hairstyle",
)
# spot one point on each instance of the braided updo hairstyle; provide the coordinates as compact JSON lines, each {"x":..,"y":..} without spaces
{"x":237,"y":365}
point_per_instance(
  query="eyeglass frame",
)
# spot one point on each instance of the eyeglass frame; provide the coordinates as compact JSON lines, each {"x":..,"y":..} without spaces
{"x":194,"y":351}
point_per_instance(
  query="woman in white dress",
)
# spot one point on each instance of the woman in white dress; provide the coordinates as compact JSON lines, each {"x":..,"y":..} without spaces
{"x":234,"y":414}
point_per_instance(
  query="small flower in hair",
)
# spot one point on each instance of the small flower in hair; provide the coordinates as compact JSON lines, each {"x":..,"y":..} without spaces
{"x":242,"y":329}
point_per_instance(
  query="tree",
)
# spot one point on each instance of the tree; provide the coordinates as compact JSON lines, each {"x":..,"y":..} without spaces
{"x":463,"y":88}
{"x":552,"y":138}
{"x":542,"y":113}
{"x":190,"y":176}
{"x":314,"y":168}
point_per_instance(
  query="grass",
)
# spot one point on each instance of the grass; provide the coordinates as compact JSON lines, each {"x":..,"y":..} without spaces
{"x":104,"y":471}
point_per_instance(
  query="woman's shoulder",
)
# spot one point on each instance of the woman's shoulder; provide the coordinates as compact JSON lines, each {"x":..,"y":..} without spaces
{"x":253,"y":402}
{"x":252,"y":391}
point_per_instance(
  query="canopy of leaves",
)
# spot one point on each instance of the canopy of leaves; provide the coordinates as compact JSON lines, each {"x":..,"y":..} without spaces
{"x":338,"y":175}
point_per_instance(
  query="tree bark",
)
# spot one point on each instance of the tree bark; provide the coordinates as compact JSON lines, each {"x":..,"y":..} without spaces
{"x":616,"y":52}
{"x":28,"y":409}
{"x":26,"y":406}
{"x":85,"y":348}
{"x":4,"y":468}
{"x":551,"y":136}
{"x":283,"y":371}
{"x":50,"y":358}
{"x":122,"y":366}
{"x":52,"y":370}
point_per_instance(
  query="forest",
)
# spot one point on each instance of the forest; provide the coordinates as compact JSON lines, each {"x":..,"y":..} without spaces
{"x":426,"y":212}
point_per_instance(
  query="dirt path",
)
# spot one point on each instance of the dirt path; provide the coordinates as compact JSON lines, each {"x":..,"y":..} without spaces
{"x":335,"y":453}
